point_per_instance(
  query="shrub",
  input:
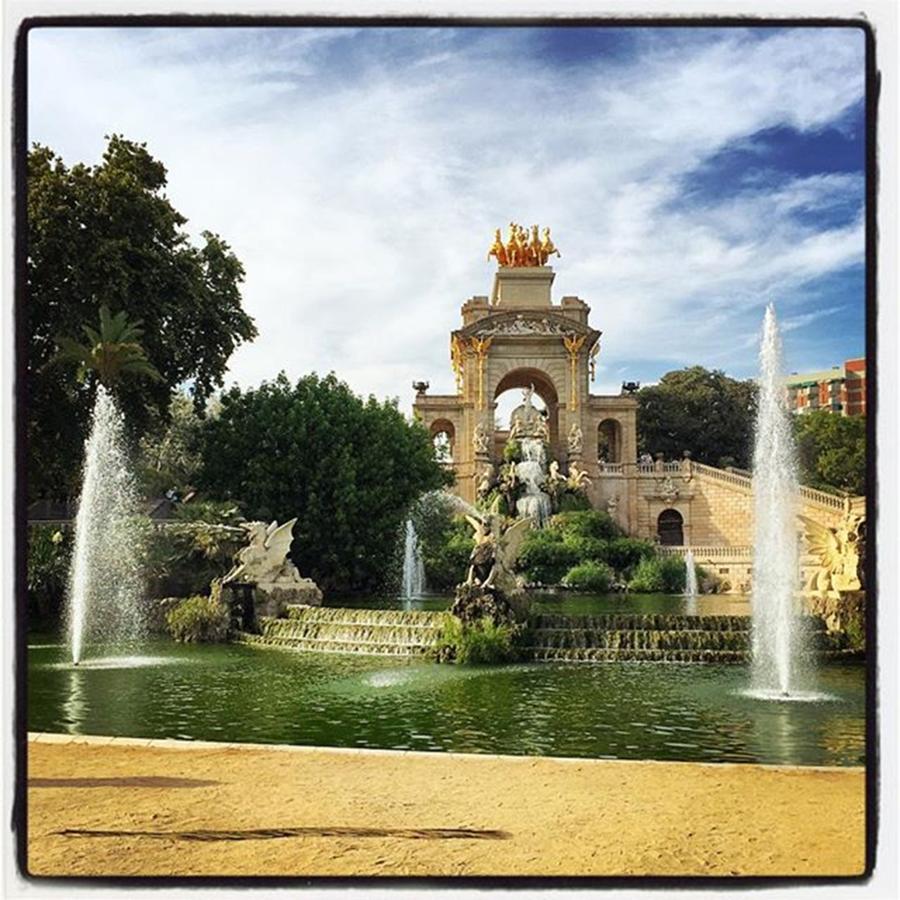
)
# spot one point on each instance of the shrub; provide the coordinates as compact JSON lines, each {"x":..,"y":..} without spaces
{"x":545,"y":557}
{"x":479,"y":643}
{"x":199,"y":620}
{"x":574,"y":501}
{"x":182,"y":559}
{"x":658,"y":575}
{"x":624,"y":553}
{"x":589,"y":523}
{"x":587,"y":548}
{"x":590,"y":576}
{"x":512,"y":452}
{"x":646,"y":578}
{"x":48,"y":554}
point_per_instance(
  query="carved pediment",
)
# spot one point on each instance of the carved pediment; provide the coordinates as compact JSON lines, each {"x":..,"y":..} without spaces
{"x":539,"y":323}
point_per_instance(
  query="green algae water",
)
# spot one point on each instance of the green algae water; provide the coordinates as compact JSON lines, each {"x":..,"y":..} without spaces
{"x":617,"y":710}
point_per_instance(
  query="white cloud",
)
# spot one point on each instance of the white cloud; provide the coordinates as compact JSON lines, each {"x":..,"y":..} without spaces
{"x":361,"y":192}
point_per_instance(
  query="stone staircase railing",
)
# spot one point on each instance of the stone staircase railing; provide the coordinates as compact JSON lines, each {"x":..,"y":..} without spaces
{"x":707,"y":552}
{"x":822,"y":498}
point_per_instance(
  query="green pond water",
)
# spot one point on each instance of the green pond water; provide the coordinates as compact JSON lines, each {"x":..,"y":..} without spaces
{"x":610,"y":710}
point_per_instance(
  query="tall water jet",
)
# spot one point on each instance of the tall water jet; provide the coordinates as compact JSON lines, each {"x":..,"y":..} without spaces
{"x":690,"y":582}
{"x":105,"y":579}
{"x":776,"y":643}
{"x":413,"y":583}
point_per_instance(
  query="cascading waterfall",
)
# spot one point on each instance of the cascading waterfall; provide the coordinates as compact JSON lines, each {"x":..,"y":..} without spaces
{"x":532,"y":472}
{"x":413,"y":583}
{"x":776,"y":643}
{"x":105,"y":578}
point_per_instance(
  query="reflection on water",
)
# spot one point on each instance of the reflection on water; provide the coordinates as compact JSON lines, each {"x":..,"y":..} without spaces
{"x":625,"y":710}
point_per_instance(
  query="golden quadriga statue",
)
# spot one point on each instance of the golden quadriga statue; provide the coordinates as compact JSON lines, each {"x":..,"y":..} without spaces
{"x":522,"y":249}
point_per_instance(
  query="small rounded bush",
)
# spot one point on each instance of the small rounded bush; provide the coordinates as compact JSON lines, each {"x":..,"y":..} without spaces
{"x":658,"y":575}
{"x":590,"y":576}
{"x":199,"y":620}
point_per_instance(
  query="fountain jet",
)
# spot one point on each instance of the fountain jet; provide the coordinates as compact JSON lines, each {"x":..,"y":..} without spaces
{"x":776,"y":643}
{"x":413,"y":584}
{"x":105,"y":578}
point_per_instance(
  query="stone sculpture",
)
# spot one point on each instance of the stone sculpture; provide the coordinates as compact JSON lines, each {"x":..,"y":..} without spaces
{"x":263,"y":566}
{"x":837,"y":554}
{"x":526,"y":420}
{"x":486,"y":482}
{"x":576,"y":440}
{"x":481,"y":440}
{"x":578,"y":480}
{"x":491,"y":585}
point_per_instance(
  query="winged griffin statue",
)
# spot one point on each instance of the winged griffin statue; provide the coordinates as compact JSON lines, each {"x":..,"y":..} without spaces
{"x":264,"y":559}
{"x":497,"y":546}
{"x":837,"y":552}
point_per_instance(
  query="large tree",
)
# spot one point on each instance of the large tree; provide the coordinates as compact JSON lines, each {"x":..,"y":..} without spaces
{"x":107,"y":236}
{"x":832,"y":450}
{"x":347,"y":468}
{"x":699,"y":410}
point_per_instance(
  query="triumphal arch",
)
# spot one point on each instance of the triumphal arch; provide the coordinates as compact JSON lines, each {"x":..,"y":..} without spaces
{"x":518,"y":337}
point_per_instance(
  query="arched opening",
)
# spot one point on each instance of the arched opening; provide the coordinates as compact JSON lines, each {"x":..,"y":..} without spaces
{"x":609,"y":441}
{"x":670,"y":528}
{"x":507,"y":396}
{"x":443,"y":436}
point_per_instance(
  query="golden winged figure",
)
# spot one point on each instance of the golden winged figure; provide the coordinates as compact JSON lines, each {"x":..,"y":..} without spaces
{"x":837,"y":554}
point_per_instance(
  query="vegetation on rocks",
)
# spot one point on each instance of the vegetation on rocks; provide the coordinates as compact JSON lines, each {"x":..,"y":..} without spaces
{"x":480,"y":642}
{"x":199,"y":620}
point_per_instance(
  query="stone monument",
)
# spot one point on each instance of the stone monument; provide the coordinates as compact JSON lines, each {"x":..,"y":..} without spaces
{"x":263,"y":571}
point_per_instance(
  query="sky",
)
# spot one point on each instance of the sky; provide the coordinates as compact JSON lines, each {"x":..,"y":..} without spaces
{"x":690,"y":176}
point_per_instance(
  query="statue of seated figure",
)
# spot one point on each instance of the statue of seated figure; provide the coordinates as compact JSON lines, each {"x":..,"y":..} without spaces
{"x":527,"y":420}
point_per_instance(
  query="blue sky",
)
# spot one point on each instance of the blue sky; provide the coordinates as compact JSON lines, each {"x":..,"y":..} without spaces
{"x":690,"y":176}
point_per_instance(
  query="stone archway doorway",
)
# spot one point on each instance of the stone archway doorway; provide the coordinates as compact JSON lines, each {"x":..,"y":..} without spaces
{"x":670,"y":528}
{"x":544,"y":388}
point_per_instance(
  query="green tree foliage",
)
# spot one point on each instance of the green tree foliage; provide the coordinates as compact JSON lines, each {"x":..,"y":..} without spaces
{"x":113,"y":352}
{"x":347,"y":468}
{"x":832,"y":451}
{"x":49,"y":552}
{"x":107,"y":235}
{"x":445,"y":539}
{"x":168,"y":457}
{"x":699,"y":410}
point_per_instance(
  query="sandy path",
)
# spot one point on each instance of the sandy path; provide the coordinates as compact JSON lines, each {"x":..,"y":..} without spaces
{"x":374,"y":812}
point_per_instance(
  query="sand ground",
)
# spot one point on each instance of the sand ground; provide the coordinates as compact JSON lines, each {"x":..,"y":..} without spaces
{"x":112,"y":806}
